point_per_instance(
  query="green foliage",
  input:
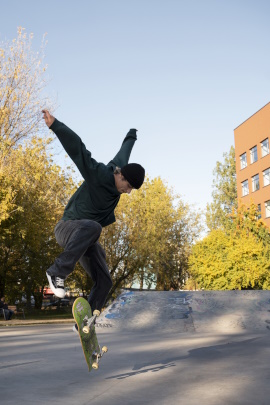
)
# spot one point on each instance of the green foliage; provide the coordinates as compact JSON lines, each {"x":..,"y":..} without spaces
{"x":151,"y":240}
{"x":33,"y":189}
{"x":224,"y":193}
{"x":38,"y":191}
{"x":235,"y":258}
{"x":236,"y":252}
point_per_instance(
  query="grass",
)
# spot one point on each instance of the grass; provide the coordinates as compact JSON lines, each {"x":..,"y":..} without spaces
{"x":49,"y":313}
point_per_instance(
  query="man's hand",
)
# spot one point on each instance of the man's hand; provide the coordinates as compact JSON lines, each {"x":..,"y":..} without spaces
{"x":49,"y":119}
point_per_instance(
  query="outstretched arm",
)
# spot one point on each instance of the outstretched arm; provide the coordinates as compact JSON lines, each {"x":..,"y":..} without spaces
{"x":73,"y":145}
{"x":122,"y":157}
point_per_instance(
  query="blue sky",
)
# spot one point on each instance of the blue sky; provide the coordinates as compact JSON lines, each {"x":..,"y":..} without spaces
{"x":184,"y":73}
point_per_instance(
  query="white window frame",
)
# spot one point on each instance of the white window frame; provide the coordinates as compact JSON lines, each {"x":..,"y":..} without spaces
{"x":252,"y":154}
{"x":267,"y":209}
{"x":243,"y":160}
{"x":266,"y":177}
{"x":245,"y":188}
{"x":265,"y":148}
{"x":255,"y":182}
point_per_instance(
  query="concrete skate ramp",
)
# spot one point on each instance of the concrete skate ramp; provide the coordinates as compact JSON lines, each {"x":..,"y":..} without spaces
{"x":183,"y":311}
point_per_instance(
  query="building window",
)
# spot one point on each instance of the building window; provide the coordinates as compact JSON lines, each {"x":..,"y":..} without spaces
{"x":243,"y":160}
{"x":253,"y":155}
{"x":267,"y":209}
{"x":245,"y":189}
{"x":259,"y":211}
{"x":266,"y":177}
{"x":255,"y":183}
{"x":265,"y":147}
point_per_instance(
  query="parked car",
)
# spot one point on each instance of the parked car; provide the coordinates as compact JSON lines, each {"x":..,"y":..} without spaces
{"x":62,"y":302}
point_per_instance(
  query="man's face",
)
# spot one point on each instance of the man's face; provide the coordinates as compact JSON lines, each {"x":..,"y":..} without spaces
{"x":123,"y":185}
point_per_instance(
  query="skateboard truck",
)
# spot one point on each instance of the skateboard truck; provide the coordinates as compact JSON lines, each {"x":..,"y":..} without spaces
{"x":98,"y":356}
{"x":88,"y":322}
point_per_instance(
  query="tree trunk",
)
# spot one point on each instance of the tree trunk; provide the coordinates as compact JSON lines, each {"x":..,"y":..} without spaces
{"x":141,"y":281}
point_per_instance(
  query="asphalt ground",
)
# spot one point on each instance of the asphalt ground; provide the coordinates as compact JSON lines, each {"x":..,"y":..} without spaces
{"x":188,"y":354}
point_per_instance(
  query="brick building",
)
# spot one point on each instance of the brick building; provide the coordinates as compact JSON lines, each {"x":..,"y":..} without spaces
{"x":253,"y":161}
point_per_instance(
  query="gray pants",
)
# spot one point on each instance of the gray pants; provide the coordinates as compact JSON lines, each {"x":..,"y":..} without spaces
{"x":79,"y":238}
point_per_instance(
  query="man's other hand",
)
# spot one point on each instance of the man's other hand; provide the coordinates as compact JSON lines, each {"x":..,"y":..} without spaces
{"x":49,"y":119}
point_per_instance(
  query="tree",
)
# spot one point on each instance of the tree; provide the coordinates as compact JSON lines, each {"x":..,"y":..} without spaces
{"x":224,"y":193}
{"x":33,"y":189}
{"x":40,"y":191}
{"x":22,"y":82}
{"x":151,"y":240}
{"x":236,"y":258}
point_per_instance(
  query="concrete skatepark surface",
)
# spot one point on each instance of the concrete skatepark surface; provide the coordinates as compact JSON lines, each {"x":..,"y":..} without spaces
{"x":173,"y":347}
{"x":198,"y":311}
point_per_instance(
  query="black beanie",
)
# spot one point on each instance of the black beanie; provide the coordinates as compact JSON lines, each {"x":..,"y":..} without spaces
{"x":134,"y":174}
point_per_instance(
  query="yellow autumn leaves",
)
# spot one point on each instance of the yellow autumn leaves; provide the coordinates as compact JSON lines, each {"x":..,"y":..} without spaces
{"x":233,"y":257}
{"x":33,"y":190}
{"x":151,"y":239}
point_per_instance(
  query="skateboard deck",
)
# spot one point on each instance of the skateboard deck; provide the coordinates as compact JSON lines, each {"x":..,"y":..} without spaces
{"x":82,"y":313}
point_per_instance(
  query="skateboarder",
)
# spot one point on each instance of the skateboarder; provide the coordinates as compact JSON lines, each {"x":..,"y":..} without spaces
{"x":89,"y":210}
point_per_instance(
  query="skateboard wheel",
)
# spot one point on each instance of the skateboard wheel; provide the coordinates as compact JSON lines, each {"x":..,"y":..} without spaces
{"x":86,"y":329}
{"x":95,"y":366}
{"x":96,"y":312}
{"x":104,"y":349}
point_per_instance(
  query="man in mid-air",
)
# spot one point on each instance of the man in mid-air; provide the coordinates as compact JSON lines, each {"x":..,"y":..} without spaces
{"x":89,"y":210}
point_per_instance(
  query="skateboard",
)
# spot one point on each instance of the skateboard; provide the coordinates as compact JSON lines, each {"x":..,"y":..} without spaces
{"x":86,"y":328}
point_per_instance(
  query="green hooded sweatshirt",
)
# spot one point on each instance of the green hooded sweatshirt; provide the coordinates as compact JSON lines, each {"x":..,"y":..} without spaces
{"x":98,"y":196}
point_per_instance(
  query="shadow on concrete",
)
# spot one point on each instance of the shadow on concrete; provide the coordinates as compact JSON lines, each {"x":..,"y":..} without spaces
{"x":148,"y":370}
{"x":203,"y":354}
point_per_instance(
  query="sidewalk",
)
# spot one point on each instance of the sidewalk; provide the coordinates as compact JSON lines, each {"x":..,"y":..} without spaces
{"x":25,"y":322}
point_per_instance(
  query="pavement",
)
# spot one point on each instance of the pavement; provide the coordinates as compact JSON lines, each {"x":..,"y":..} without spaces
{"x":27,"y":322}
{"x":178,"y":347}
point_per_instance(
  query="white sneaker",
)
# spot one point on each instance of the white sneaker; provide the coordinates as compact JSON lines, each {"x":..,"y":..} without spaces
{"x":75,"y":328}
{"x":57,"y":285}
